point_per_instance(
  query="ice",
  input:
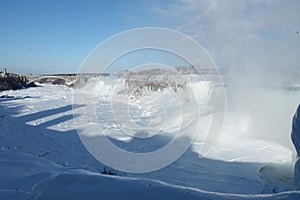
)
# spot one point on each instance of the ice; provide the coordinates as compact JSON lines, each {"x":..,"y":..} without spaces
{"x":296,"y":141}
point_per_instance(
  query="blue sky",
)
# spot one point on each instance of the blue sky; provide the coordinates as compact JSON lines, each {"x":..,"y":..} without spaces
{"x":55,"y":36}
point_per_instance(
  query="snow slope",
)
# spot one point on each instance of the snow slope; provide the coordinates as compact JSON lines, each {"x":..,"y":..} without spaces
{"x":78,"y":184}
{"x":42,"y":156}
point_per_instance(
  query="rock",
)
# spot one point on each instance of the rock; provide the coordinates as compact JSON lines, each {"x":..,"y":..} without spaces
{"x":31,"y":84}
{"x":59,"y":81}
{"x":11,"y":83}
{"x":15,"y":82}
{"x":52,"y":80}
{"x":296,"y":142}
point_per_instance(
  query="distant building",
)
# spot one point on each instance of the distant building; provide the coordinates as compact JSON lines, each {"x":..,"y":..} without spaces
{"x":4,"y":73}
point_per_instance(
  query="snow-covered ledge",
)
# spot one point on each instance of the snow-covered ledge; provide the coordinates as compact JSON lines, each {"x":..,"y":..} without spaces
{"x":296,"y":141}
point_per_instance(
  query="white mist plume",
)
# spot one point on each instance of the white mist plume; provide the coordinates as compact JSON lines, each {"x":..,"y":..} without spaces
{"x":256,"y":44}
{"x":241,"y":34}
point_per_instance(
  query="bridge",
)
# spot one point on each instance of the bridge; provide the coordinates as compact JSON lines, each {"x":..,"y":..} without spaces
{"x":68,"y":77}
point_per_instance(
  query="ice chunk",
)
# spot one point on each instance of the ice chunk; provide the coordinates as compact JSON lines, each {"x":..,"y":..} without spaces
{"x":296,"y":141}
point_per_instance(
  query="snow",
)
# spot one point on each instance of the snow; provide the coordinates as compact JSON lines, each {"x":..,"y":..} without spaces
{"x":42,"y":156}
{"x":78,"y":184}
{"x":296,"y":141}
{"x":13,"y":195}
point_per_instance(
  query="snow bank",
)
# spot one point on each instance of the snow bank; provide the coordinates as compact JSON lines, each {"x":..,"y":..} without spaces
{"x":41,"y":125}
{"x":14,"y":194}
{"x":79,"y":184}
{"x":296,"y":141}
{"x":20,"y":171}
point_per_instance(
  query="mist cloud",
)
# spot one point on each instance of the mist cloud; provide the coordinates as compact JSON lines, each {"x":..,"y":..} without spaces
{"x":244,"y":37}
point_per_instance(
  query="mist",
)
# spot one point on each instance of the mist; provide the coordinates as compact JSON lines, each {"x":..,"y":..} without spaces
{"x":256,"y":46}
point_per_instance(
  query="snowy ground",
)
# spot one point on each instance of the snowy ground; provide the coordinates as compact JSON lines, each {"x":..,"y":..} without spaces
{"x":42,"y":157}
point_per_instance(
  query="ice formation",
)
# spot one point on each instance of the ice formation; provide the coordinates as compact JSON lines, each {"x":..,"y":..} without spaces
{"x":296,"y":141}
